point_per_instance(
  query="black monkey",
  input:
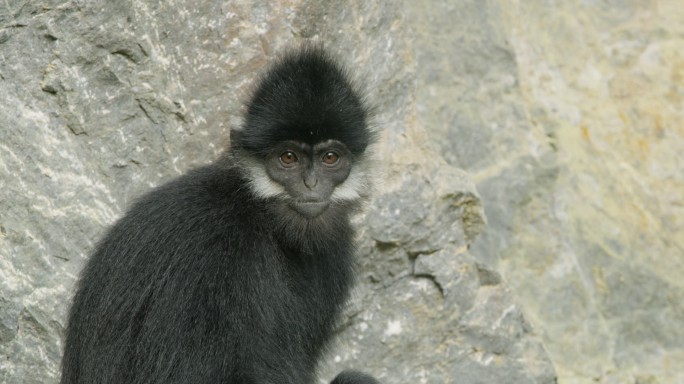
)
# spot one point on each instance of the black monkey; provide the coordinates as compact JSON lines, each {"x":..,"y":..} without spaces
{"x":237,"y":271}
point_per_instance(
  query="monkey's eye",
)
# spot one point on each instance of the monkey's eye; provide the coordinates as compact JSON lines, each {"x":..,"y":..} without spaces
{"x":288,"y":157}
{"x":330,"y":158}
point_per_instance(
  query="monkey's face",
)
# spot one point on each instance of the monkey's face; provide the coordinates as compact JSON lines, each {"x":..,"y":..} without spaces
{"x":309,"y":174}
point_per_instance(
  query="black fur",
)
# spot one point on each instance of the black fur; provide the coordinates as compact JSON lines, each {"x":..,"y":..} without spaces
{"x":204,"y":282}
{"x":352,"y":377}
{"x":308,"y":98}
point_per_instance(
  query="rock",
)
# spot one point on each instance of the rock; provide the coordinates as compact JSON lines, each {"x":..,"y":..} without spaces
{"x":568,"y":117}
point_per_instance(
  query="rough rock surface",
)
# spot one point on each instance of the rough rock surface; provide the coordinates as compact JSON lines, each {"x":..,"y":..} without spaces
{"x":565,"y":117}
{"x":569,"y":116}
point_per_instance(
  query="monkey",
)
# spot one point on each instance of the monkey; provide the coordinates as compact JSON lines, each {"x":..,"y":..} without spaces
{"x":237,"y":271}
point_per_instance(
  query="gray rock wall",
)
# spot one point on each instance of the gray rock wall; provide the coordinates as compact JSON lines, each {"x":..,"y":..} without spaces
{"x":562,"y":120}
{"x":568,"y":116}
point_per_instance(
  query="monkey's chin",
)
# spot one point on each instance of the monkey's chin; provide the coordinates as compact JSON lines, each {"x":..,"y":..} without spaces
{"x":310,"y":209}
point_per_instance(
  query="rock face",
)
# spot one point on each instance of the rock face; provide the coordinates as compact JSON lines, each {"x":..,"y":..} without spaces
{"x":569,"y":115}
{"x":561,"y":120}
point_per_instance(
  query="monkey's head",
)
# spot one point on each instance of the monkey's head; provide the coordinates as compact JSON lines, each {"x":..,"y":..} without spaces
{"x":305,"y":134}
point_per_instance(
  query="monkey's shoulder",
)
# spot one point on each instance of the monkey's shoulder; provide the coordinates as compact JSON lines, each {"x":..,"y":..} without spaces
{"x":206,"y":203}
{"x":210,"y":186}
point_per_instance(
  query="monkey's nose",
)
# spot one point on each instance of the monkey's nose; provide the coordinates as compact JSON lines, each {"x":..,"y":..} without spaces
{"x":310,"y":179}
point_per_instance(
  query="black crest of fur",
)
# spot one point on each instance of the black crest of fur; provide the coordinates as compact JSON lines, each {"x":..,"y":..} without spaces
{"x":308,"y":97}
{"x":204,"y":280}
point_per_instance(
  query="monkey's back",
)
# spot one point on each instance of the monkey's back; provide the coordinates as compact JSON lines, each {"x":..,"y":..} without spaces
{"x":195,"y":284}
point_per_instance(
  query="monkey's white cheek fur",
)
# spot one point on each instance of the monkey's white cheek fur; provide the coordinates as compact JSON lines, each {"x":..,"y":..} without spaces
{"x":260,"y":183}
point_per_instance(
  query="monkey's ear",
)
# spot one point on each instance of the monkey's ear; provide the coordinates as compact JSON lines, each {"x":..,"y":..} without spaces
{"x":235,"y":135}
{"x":236,"y":125}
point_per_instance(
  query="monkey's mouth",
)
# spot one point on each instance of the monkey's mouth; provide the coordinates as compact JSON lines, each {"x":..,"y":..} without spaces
{"x":310,"y":209}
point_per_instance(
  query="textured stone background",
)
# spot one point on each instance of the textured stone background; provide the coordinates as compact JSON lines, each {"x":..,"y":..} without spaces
{"x":563,"y":119}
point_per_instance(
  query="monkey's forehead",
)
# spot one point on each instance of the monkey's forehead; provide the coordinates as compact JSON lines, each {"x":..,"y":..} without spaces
{"x":265,"y":141}
{"x":311,"y":149}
